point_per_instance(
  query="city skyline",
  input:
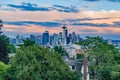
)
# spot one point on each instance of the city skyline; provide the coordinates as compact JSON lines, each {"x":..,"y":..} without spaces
{"x":85,"y":17}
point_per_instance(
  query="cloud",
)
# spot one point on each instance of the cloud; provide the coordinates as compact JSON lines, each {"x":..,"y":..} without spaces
{"x":103,"y":0}
{"x":28,"y":7}
{"x":25,"y":23}
{"x":57,"y":23}
{"x":89,"y":30}
{"x":117,"y":24}
{"x":92,"y":24}
{"x":92,"y":0}
{"x":66,"y":9}
{"x":73,"y":22}
{"x":114,"y":0}
{"x":30,"y":29}
{"x":35,"y":7}
{"x":82,"y":19}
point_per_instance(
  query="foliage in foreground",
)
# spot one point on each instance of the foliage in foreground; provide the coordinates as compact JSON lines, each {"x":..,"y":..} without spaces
{"x":4,"y":41}
{"x":37,"y":63}
{"x":12,"y":48}
{"x":101,"y":59}
{"x":60,"y":50}
{"x":3,"y":69}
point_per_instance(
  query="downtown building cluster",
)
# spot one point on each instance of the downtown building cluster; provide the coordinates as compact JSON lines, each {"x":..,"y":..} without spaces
{"x":46,"y":39}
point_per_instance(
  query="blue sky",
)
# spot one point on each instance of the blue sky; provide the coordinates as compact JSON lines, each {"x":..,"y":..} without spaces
{"x":85,"y":17}
{"x":93,"y":4}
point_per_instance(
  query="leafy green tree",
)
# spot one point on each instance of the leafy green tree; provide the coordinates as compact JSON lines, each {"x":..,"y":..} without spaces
{"x":80,"y":56}
{"x":117,"y":57}
{"x":60,"y":50}
{"x":37,"y":63}
{"x":3,"y":70}
{"x":27,"y":42}
{"x":115,"y":73}
{"x":12,"y":48}
{"x":101,"y":55}
{"x":105,"y":73}
{"x":4,"y":41}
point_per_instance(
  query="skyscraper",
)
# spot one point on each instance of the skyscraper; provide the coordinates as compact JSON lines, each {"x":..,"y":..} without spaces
{"x":66,"y":36}
{"x":55,"y":39}
{"x":60,"y":38}
{"x":32,"y":37}
{"x":39,"y":39}
{"x":73,"y":37}
{"x":45,"y":38}
{"x":70,"y":37}
{"x":19,"y":40}
{"x":1,"y":25}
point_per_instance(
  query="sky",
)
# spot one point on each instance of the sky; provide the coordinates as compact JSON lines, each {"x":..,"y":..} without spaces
{"x":85,"y":17}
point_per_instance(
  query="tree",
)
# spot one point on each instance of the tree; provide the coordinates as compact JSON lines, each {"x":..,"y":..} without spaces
{"x":80,"y":56}
{"x":3,"y":70}
{"x":101,"y":55}
{"x":27,"y":42}
{"x":4,"y":41}
{"x":115,"y":73}
{"x":12,"y":48}
{"x":60,"y":51}
{"x":117,"y":57}
{"x":38,"y":63}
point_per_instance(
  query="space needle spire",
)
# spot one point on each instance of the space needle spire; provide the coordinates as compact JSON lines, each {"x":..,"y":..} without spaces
{"x":64,"y":27}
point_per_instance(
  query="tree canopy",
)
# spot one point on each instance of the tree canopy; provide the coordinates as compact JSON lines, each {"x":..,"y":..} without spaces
{"x":3,"y":70}
{"x":60,"y":50}
{"x":38,"y":63}
{"x":12,"y":48}
{"x":4,"y":41}
{"x":27,"y":42}
{"x":101,"y":57}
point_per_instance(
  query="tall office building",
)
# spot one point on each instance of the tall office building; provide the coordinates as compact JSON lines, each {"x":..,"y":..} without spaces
{"x":70,"y":37}
{"x":1,"y":24}
{"x":60,"y":38}
{"x":39,"y":39}
{"x":73,"y":37}
{"x":51,"y":40}
{"x":45,"y":38}
{"x":32,"y":37}
{"x":55,"y":39}
{"x":19,"y":40}
{"x":78,"y":38}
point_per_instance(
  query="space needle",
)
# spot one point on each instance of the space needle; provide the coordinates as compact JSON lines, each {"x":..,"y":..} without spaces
{"x":64,"y":35}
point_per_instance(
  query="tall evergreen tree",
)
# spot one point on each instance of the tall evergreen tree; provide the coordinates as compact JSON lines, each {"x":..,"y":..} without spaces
{"x":4,"y":41}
